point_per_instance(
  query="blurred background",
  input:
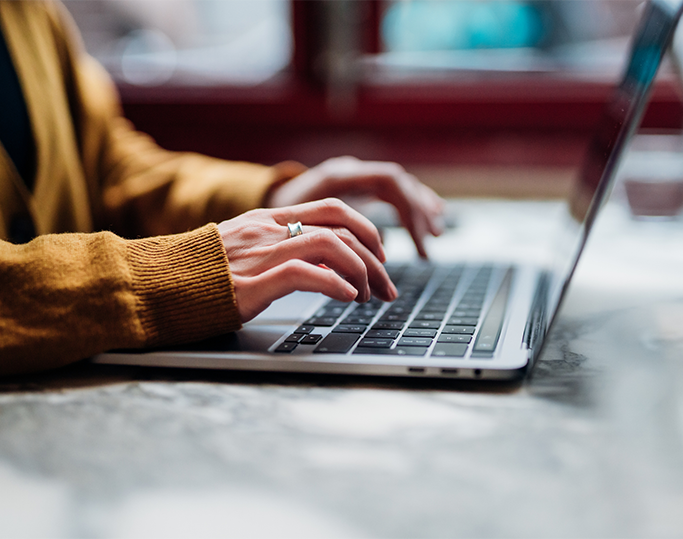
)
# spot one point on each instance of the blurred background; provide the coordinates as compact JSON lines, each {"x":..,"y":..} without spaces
{"x":211,"y":42}
{"x":454,"y":90}
{"x":187,"y":42}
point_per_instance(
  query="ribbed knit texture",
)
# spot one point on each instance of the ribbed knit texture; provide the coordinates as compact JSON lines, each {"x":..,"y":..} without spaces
{"x":183,"y":287}
{"x":67,"y":296}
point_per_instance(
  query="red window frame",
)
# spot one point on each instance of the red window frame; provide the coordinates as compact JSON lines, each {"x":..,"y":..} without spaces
{"x":447,"y":122}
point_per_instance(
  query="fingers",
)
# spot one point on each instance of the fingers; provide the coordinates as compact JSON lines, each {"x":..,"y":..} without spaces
{"x":378,"y":278}
{"x":337,"y":249}
{"x":434,"y":207}
{"x":254,"y":294}
{"x":382,"y":177}
{"x":319,"y":246}
{"x":421,"y":214}
{"x":333,"y":212}
{"x":420,"y":209}
{"x":266,"y":264}
{"x":417,"y":226}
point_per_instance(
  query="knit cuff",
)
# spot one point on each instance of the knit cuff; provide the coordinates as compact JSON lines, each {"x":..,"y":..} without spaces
{"x":183,"y":286}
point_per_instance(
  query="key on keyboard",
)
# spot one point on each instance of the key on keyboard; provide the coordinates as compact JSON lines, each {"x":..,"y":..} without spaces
{"x":417,"y":322}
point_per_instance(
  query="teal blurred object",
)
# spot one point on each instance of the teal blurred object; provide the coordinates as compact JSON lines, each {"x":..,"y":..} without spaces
{"x":430,"y":25}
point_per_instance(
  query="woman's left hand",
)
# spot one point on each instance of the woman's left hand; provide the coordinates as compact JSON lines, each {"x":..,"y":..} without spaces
{"x":419,"y":208}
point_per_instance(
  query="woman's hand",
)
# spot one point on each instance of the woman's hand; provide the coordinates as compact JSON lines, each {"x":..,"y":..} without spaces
{"x":337,"y":241}
{"x":419,"y":208}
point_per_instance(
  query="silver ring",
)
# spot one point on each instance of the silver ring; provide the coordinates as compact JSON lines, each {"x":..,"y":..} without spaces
{"x":295,"y":229}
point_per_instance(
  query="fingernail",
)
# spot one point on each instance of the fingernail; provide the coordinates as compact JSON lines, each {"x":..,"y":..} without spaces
{"x":382,"y":254}
{"x":351,"y":292}
{"x":419,"y":245}
{"x":392,"y":292}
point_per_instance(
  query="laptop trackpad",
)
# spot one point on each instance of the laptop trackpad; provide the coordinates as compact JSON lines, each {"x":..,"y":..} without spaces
{"x":291,"y":309}
{"x":261,"y":333}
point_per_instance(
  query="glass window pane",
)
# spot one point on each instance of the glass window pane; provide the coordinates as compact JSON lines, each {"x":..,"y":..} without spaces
{"x":508,"y":35}
{"x":202,"y":42}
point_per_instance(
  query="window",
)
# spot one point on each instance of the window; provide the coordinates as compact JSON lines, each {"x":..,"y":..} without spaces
{"x":466,"y":83}
{"x":187,"y":42}
{"x":535,"y":36}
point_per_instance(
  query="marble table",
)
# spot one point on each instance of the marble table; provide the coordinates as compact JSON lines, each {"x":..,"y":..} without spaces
{"x":589,"y":446}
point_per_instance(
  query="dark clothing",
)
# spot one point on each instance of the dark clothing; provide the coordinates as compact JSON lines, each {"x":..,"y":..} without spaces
{"x":15,"y":126}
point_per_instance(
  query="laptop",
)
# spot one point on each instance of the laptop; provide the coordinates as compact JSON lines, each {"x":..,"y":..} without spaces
{"x":471,"y":321}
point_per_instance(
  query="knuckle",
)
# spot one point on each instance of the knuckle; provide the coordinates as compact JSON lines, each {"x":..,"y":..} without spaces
{"x":341,"y":160}
{"x":326,"y":238}
{"x":397,"y":169}
{"x":344,"y":234}
{"x":294,"y":268}
{"x":328,"y":166}
{"x":392,"y":170}
{"x":334,"y":205}
{"x":347,"y":160}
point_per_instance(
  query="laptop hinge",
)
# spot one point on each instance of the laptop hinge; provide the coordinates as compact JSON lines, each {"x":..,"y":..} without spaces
{"x":536,"y":322}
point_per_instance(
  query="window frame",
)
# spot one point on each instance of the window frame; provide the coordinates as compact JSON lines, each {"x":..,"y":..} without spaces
{"x":296,"y":104}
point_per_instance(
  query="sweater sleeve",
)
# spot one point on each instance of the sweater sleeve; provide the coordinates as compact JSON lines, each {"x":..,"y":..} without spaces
{"x":137,"y":188}
{"x":66,"y":297}
{"x":146,"y":190}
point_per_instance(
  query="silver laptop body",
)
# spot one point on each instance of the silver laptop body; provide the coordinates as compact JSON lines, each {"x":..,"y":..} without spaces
{"x":484,"y":321}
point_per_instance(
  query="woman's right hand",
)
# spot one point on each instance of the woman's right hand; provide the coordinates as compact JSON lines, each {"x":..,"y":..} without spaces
{"x":339,"y":254}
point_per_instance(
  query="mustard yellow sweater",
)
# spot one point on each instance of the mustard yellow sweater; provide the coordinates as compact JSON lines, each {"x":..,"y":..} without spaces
{"x":74,"y":292}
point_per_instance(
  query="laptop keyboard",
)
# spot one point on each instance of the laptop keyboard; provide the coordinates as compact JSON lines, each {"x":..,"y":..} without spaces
{"x":441,"y":311}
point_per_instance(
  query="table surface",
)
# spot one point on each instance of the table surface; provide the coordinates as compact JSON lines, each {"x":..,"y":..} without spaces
{"x":589,"y":446}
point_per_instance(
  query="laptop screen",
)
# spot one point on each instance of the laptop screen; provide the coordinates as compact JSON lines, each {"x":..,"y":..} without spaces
{"x":621,"y":118}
